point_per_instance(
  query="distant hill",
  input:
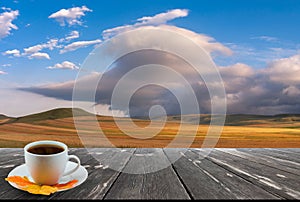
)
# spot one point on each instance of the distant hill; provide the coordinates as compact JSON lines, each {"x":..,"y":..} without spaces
{"x":231,"y":119}
{"x":240,"y":119}
{"x":240,"y":130}
{"x":58,"y":113}
{"x":3,"y":117}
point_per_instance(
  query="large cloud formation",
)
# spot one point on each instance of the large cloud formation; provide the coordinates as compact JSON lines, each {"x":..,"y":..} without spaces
{"x":248,"y":90}
{"x":271,"y":90}
{"x":141,"y":101}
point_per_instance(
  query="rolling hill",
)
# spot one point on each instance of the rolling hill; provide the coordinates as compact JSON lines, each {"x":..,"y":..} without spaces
{"x":241,"y":119}
{"x":240,"y":130}
{"x":3,"y":117}
{"x":58,"y":113}
{"x":231,"y":119}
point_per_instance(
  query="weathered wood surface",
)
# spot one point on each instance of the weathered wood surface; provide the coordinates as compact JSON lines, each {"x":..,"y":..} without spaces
{"x":148,"y":185}
{"x":197,"y":174}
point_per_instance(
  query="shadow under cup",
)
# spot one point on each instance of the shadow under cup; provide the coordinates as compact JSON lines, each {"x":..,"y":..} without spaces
{"x":46,"y":161}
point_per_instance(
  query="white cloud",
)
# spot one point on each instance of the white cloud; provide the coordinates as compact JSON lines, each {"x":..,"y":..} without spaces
{"x":236,"y":77}
{"x":271,"y":90}
{"x":158,"y":19}
{"x":79,"y":44}
{"x":6,"y":24}
{"x":33,"y":52}
{"x":5,"y":8}
{"x":259,"y":57}
{"x":70,"y":16}
{"x":2,"y":72}
{"x":291,"y":91}
{"x":6,"y":65}
{"x":73,"y":35}
{"x":266,"y":38}
{"x":116,"y":30}
{"x":39,"y":55}
{"x":162,"y":18}
{"x":33,"y":49}
{"x":19,"y":103}
{"x":64,"y":65}
{"x":105,"y":110}
{"x":237,"y":70}
{"x":51,"y":44}
{"x":14,"y":52}
{"x":206,"y":42}
{"x":285,"y":70}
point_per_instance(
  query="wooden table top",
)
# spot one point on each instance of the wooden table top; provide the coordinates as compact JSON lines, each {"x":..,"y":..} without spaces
{"x":223,"y":174}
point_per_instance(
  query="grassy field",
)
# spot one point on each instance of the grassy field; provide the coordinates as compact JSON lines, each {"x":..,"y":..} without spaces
{"x":246,"y":131}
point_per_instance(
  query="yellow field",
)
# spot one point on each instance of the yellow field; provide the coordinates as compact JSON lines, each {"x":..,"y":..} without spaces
{"x":279,"y":135}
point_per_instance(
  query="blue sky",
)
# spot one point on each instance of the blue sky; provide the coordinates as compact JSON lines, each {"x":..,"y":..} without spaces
{"x":259,"y":33}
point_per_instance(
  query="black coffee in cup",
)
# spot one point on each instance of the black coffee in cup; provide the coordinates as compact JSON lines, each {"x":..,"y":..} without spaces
{"x":45,"y":149}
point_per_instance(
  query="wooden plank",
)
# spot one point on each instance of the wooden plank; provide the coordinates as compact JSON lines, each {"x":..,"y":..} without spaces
{"x":290,"y":155}
{"x":101,"y":177}
{"x":286,"y":186}
{"x":224,"y":174}
{"x":147,"y":160}
{"x":10,"y":194}
{"x":241,"y":188}
{"x":286,"y":150}
{"x":11,"y":164}
{"x":283,"y":165}
{"x":9,"y":155}
{"x":9,"y":159}
{"x":163,"y":184}
{"x":206,"y":180}
{"x":285,"y":160}
{"x":7,"y":191}
{"x":293,"y":150}
{"x":275,"y":154}
{"x":199,"y":184}
{"x":5,"y":151}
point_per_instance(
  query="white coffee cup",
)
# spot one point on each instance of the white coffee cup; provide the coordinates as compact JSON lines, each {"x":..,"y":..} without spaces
{"x":47,"y":169}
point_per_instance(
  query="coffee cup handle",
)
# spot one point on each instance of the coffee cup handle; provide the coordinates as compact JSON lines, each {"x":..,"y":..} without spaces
{"x":74,"y":169}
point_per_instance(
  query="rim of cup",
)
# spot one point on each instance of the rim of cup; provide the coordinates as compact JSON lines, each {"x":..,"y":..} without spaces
{"x":43,"y":142}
